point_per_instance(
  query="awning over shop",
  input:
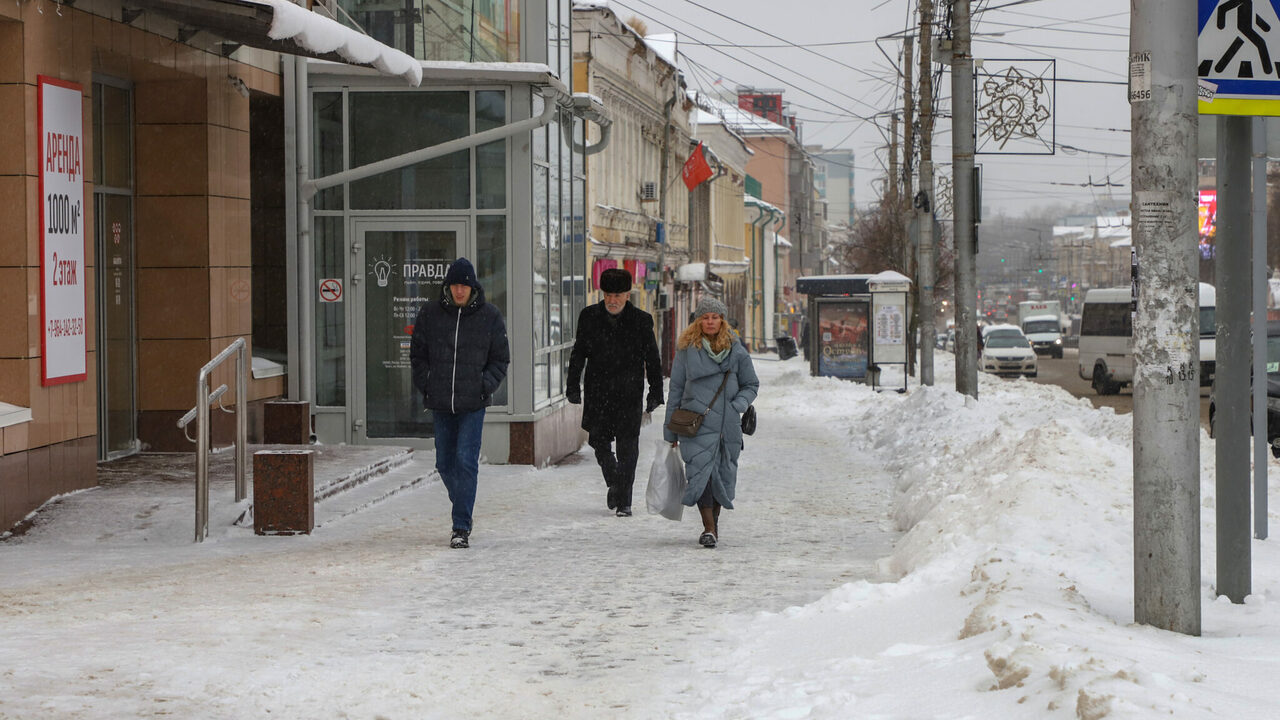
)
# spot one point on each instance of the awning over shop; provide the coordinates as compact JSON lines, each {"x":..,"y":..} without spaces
{"x":281,"y":26}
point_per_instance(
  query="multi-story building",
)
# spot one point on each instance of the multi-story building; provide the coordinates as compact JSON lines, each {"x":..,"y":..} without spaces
{"x":786,"y":174}
{"x":717,"y":216}
{"x":833,"y":179}
{"x":204,"y":171}
{"x":638,"y":207}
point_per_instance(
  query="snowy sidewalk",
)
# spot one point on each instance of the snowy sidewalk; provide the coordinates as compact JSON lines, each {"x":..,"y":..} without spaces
{"x":558,"y":609}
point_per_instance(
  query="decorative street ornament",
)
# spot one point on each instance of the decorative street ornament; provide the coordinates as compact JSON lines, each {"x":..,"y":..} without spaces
{"x":1014,"y":107}
{"x":943,"y":195}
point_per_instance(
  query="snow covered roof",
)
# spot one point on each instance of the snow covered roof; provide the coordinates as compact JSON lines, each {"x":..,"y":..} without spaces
{"x":887,"y":277}
{"x":708,"y":109}
{"x":322,"y":35}
{"x":281,"y":26}
{"x":730,"y":267}
{"x":753,"y":201}
{"x":691,"y":272}
{"x":664,"y":45}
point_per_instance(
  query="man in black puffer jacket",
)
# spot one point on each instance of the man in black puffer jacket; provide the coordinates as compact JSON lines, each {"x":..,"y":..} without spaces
{"x":459,"y":358}
{"x":615,"y":343}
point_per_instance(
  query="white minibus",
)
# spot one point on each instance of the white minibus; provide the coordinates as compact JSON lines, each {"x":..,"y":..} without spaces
{"x":1106,"y":338}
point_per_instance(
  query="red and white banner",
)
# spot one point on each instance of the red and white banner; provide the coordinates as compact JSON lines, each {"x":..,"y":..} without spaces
{"x":60,"y":123}
{"x":696,"y":170}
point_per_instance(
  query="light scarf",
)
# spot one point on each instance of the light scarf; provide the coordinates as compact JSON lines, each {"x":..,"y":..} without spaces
{"x":718,"y":357}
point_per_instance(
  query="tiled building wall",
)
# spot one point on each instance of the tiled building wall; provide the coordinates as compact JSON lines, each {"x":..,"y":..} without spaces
{"x":192,"y":234}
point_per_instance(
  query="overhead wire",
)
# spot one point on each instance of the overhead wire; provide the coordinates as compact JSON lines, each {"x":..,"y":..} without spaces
{"x":758,"y":69}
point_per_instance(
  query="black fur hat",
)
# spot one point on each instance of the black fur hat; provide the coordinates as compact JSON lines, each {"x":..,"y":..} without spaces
{"x":615,"y":280}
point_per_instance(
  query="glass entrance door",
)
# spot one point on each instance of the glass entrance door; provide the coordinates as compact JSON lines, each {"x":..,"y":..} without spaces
{"x":117,"y":379}
{"x":399,"y":266}
{"x":114,"y":269}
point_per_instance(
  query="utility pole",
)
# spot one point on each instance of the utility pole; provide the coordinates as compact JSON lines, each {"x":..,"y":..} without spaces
{"x":664,"y":236}
{"x":908,"y":153}
{"x":1231,"y":422}
{"x":962,"y":149}
{"x":891,"y":187}
{"x":1166,"y":397}
{"x":924,"y":199}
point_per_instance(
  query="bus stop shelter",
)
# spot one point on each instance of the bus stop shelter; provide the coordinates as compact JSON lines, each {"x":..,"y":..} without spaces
{"x":855,"y":325}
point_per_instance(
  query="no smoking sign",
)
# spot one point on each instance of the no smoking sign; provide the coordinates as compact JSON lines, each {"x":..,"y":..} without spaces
{"x":331,"y":290}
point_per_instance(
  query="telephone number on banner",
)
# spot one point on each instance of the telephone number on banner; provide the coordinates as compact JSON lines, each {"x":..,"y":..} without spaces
{"x":66,"y":327}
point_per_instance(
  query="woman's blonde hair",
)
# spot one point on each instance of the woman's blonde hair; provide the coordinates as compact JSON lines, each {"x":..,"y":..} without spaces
{"x":692,"y":336}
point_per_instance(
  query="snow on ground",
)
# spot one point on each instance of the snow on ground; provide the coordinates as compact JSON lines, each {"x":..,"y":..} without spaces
{"x":921,"y":555}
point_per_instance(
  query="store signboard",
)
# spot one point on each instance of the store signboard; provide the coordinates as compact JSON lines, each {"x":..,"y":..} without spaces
{"x":60,"y":124}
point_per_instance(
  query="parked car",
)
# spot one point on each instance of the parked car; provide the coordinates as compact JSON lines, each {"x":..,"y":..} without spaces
{"x":1273,"y":392}
{"x":1006,"y":351}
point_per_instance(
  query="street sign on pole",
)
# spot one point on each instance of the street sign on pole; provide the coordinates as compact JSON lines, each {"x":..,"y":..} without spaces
{"x":1238,"y":57}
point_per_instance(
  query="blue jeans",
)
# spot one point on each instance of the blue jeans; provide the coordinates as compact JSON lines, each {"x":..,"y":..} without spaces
{"x":458,"y":460}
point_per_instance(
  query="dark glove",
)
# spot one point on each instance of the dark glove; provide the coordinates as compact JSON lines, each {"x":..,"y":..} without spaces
{"x":574,"y":396}
{"x":653,"y":403}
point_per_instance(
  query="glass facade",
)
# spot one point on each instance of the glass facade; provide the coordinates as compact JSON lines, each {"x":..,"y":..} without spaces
{"x":559,"y":252}
{"x":330,"y":318}
{"x":114,"y":268}
{"x":386,"y":124}
{"x":459,"y":30}
{"x":529,"y":250}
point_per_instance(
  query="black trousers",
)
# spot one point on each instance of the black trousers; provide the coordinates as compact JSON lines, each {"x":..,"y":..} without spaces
{"x":620,"y":469}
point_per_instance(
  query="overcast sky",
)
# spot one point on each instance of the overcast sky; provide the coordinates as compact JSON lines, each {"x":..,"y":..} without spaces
{"x":842,"y":83}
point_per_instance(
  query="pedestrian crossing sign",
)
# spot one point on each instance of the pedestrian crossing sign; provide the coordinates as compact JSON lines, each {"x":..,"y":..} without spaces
{"x":1238,"y":57}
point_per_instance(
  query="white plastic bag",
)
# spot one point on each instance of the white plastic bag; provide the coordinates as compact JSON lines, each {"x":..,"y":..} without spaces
{"x":665,"y":494}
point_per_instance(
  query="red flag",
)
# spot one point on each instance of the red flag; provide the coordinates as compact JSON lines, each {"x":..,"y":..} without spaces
{"x":696,"y":170}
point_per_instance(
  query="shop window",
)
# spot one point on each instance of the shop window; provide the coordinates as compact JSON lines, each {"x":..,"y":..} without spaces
{"x":330,"y":318}
{"x":267,"y":219}
{"x":327,"y":146}
{"x":491,"y":159}
{"x":467,"y":30}
{"x":386,"y":124}
{"x":491,"y":267}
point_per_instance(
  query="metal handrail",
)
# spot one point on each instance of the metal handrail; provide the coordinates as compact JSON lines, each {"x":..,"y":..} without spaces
{"x":201,"y":414}
{"x":191,"y":414}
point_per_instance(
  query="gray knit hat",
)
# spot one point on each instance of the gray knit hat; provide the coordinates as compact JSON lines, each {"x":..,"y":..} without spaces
{"x":710,"y":304}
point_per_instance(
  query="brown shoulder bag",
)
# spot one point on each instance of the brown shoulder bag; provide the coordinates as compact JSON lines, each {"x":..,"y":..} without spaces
{"x":686,"y":422}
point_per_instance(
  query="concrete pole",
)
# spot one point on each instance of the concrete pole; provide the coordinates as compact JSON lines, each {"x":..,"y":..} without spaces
{"x":1259,"y":325}
{"x":924,"y":205}
{"x":1231,"y":391}
{"x":962,"y":149}
{"x":908,"y":155}
{"x":891,"y":187}
{"x":1166,"y":398}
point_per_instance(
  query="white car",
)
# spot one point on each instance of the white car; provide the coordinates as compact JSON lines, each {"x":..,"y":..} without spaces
{"x":1007,"y":352}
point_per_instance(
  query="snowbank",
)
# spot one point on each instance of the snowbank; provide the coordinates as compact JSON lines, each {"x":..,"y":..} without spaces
{"x":1011,"y":593}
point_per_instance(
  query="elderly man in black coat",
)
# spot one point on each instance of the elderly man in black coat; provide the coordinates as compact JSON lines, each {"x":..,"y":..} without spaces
{"x":615,"y":342}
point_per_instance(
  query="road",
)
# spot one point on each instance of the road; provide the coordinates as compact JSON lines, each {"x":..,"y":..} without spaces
{"x":1065,"y":374}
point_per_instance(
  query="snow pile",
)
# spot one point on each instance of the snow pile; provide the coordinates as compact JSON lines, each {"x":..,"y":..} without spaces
{"x":1011,"y":593}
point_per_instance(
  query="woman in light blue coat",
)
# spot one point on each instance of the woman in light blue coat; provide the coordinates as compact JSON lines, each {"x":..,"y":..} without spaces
{"x":708,"y":353}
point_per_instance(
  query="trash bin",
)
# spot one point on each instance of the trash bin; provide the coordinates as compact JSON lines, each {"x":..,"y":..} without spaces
{"x":283,"y":492}
{"x":786,"y":347}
